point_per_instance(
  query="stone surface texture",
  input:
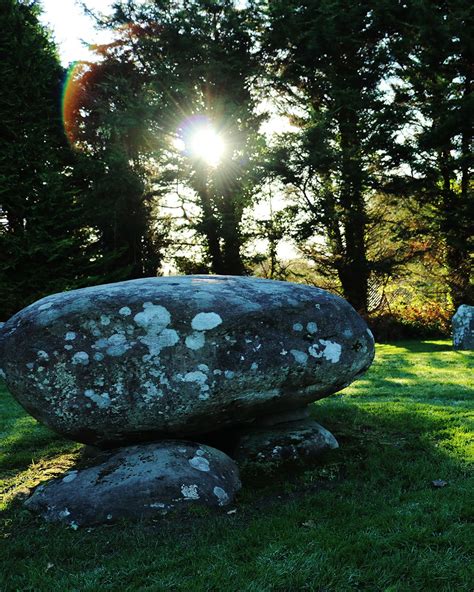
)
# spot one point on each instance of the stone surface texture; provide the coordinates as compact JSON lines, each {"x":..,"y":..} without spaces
{"x":141,"y":481}
{"x":179,"y":356}
{"x":463,"y":328}
{"x":293,"y":441}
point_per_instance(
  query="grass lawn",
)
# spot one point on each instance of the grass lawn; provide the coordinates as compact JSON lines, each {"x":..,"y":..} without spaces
{"x":366,"y":517}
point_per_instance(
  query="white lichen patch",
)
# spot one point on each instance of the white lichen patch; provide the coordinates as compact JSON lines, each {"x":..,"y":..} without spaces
{"x":80,"y":358}
{"x":2,"y":374}
{"x":229,"y":374}
{"x":200,"y":463}
{"x":70,"y":477}
{"x":196,"y":340}
{"x":221,"y":495}
{"x":151,"y":391}
{"x":98,"y":357}
{"x":117,"y":345}
{"x":312,"y":327}
{"x":189,"y":491}
{"x":254,"y":366}
{"x":217,"y":372}
{"x":370,"y":334}
{"x":297,"y":327}
{"x":167,"y":338}
{"x":42,"y":355}
{"x":300,"y":356}
{"x":70,"y":336}
{"x":125,"y":311}
{"x":205,"y":321}
{"x":154,"y":319}
{"x":196,"y":376}
{"x":68,"y":347}
{"x":331,"y":350}
{"x":200,"y":379}
{"x":102,"y":400}
{"x":64,"y":513}
{"x":105,"y":320}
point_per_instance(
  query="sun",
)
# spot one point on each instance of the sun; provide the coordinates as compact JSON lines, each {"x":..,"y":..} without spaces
{"x":204,"y":143}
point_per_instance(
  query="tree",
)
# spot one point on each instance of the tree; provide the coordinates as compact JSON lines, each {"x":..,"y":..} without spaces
{"x":43,"y":245}
{"x":331,"y":59}
{"x":195,"y":60}
{"x":109,"y":123}
{"x":437,"y":71}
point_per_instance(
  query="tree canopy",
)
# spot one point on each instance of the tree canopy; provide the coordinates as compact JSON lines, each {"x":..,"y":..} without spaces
{"x":372,"y":172}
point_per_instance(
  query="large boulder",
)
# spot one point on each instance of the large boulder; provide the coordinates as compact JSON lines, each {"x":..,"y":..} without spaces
{"x":179,"y":356}
{"x":140,"y":481}
{"x":463,"y":328}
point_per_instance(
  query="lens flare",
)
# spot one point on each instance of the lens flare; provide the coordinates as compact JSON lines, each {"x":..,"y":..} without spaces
{"x":71,"y":100}
{"x":206,"y":144}
{"x":200,"y":140}
{"x":78,"y":97}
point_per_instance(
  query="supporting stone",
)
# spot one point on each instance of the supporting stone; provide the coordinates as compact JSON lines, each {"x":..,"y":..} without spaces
{"x":141,"y":481}
{"x":293,"y":441}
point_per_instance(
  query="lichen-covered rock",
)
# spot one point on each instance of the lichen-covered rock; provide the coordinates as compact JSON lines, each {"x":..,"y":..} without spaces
{"x":293,"y":441}
{"x":179,"y":356}
{"x":463,"y":328}
{"x":139,"y":481}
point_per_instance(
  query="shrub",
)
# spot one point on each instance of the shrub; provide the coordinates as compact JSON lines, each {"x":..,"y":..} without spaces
{"x":427,"y":321}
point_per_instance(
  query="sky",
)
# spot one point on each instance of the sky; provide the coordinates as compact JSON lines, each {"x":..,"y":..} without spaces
{"x":70,"y":27}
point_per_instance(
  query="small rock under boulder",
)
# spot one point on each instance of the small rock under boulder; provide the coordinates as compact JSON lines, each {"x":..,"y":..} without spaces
{"x":293,"y":441}
{"x":140,"y":481}
{"x":463,"y":328}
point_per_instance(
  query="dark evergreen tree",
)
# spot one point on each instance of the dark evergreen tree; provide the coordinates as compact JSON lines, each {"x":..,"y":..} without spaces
{"x":43,"y":246}
{"x":436,"y":67}
{"x":110,"y":126}
{"x":195,"y":60}
{"x":330,"y":59}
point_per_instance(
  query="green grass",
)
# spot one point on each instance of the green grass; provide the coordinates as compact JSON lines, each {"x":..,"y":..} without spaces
{"x":366,"y":517}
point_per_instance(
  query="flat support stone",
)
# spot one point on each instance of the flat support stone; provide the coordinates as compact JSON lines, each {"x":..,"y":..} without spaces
{"x":136,"y":482}
{"x":284,"y":442}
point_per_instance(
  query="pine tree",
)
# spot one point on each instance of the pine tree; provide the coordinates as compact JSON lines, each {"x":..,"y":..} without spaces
{"x":436,"y":66}
{"x":43,"y":247}
{"x":196,"y":60}
{"x":330,"y":59}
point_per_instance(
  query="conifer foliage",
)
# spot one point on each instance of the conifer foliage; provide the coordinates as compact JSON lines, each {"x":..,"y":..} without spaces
{"x":42,"y":238}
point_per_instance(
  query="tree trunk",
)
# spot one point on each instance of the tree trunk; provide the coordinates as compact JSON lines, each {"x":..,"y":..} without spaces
{"x":456,"y":231}
{"x":354,"y":269}
{"x":232,"y":240}
{"x":209,"y":225}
